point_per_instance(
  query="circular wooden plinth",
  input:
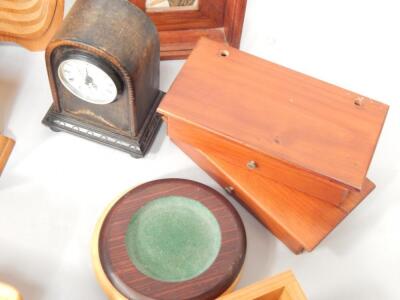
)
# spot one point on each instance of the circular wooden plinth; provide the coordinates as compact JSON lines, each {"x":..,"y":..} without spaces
{"x":120,"y":278}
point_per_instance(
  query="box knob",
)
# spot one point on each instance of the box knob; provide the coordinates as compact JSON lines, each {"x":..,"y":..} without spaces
{"x":251,"y":165}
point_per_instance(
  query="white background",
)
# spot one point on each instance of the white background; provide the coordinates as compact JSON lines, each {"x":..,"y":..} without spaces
{"x":56,"y":185}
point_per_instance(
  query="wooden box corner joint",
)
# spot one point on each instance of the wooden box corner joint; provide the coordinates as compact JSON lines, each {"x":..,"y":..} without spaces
{"x":273,"y":138}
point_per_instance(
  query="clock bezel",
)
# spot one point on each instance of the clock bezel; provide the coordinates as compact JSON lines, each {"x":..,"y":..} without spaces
{"x":96,"y":61}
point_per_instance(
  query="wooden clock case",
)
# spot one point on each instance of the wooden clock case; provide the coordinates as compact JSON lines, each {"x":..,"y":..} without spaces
{"x":220,"y":20}
{"x":292,"y":149}
{"x":120,"y":39}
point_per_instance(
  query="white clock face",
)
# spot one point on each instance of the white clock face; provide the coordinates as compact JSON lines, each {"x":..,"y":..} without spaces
{"x":87,"y":81}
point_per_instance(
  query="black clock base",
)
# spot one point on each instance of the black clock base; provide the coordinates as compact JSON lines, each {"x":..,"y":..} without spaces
{"x":135,"y":146}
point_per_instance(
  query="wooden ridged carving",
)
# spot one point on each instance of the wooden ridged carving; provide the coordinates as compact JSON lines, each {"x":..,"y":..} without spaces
{"x":30,"y":23}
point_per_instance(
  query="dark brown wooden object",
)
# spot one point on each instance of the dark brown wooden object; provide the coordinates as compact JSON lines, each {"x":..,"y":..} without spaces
{"x":121,"y":40}
{"x":220,"y":20}
{"x":293,"y":149}
{"x":129,"y":283}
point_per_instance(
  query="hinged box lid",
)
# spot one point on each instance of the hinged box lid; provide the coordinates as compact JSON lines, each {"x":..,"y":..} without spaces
{"x":302,"y":121}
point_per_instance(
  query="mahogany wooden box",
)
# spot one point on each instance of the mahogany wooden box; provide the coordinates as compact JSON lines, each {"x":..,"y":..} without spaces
{"x":180,"y":28}
{"x":294,"y":150}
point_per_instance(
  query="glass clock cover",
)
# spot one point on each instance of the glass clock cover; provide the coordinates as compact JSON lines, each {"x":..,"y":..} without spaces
{"x":87,"y":81}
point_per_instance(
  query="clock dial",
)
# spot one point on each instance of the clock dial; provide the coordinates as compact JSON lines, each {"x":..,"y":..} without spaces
{"x":87,"y":81}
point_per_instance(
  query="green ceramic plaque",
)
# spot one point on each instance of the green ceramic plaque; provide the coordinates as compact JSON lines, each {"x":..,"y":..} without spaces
{"x":173,"y":239}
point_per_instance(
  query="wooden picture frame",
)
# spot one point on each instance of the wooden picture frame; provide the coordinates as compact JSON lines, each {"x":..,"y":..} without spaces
{"x":281,"y":287}
{"x":220,"y":20}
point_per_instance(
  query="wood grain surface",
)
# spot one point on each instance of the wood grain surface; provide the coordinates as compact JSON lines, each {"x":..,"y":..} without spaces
{"x":134,"y":285}
{"x":30,"y":23}
{"x":298,"y":220}
{"x":265,"y":166}
{"x":285,"y":115}
{"x":280,"y":287}
{"x":6,"y":146}
{"x":220,"y":20}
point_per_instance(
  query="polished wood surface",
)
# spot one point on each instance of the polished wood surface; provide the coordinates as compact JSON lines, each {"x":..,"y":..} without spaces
{"x":298,"y":220}
{"x":30,"y":23}
{"x":276,"y":170}
{"x":220,"y":20}
{"x":280,"y":287}
{"x":6,"y":146}
{"x":121,"y":274}
{"x":306,"y":123}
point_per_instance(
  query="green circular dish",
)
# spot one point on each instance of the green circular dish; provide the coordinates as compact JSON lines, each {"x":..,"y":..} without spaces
{"x":173,"y":239}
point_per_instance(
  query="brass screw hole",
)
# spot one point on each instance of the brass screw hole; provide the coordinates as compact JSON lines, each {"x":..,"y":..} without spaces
{"x":252,"y":165}
{"x":224,"y":53}
{"x":359,"y":101}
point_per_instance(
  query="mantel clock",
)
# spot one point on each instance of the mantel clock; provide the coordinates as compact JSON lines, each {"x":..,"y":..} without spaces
{"x":103,"y":66}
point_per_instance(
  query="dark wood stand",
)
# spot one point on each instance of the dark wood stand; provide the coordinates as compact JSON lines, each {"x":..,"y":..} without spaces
{"x":136,"y":146}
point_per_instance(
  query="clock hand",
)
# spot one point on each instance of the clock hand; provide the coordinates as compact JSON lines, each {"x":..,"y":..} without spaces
{"x":88,"y":79}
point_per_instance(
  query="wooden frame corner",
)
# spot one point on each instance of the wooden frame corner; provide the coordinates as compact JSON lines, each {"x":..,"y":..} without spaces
{"x":220,"y":20}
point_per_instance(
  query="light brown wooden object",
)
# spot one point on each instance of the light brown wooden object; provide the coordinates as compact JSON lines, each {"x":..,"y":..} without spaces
{"x":280,"y":287}
{"x":30,"y":23}
{"x":293,"y":150}
{"x":6,"y":146}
